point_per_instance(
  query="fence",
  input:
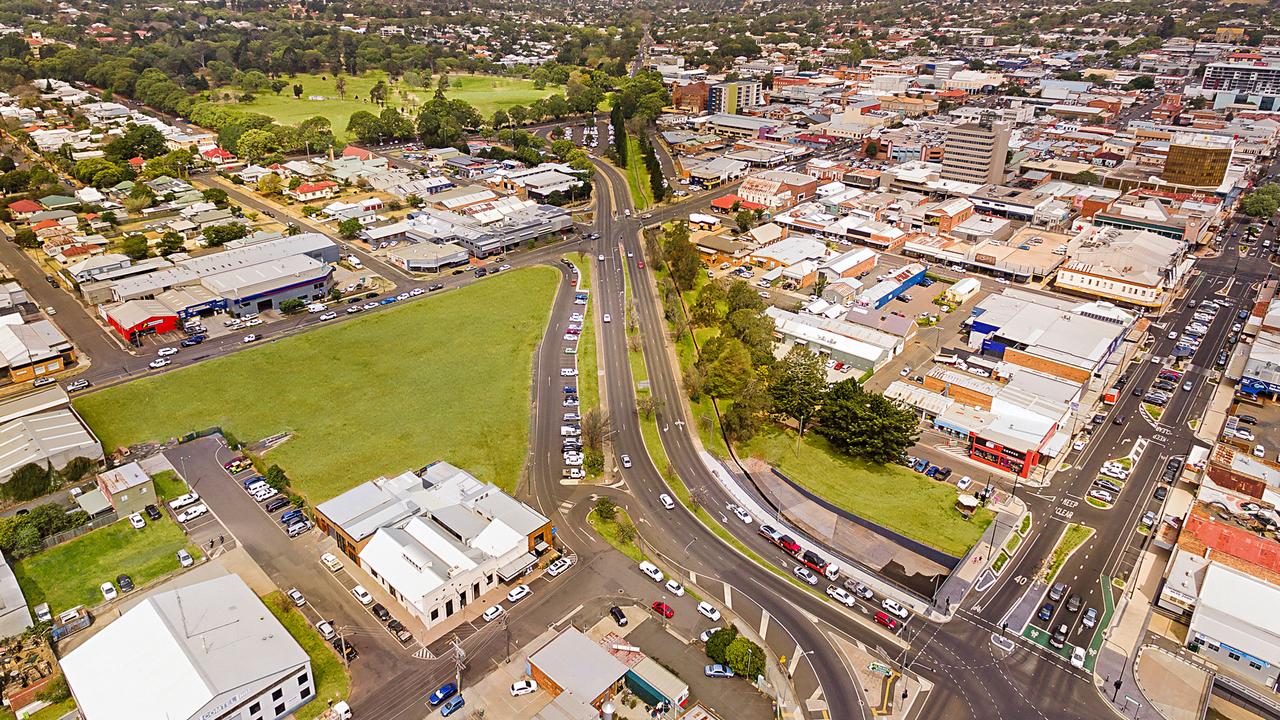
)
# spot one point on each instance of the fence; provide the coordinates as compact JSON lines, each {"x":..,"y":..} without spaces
{"x":196,"y":435}
{"x":94,"y":524}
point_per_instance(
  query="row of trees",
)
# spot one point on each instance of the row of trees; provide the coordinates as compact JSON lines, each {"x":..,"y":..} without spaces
{"x":736,"y":365}
{"x":33,"y":480}
{"x":1263,"y":202}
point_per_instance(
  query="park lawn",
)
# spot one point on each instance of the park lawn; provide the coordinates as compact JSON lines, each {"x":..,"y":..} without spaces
{"x":169,"y":485}
{"x":332,"y":681}
{"x":69,"y":574}
{"x":637,"y":176}
{"x":445,"y":377}
{"x":486,"y":92}
{"x":891,"y":495}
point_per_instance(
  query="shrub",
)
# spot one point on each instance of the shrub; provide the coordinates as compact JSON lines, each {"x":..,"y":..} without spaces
{"x":719,"y":642}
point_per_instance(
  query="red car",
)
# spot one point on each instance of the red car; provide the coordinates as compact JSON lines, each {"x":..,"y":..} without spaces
{"x":885,"y":620}
{"x":665,"y":610}
{"x":640,"y":264}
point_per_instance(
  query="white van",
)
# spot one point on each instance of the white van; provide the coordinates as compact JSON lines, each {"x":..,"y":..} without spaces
{"x":315,"y":308}
{"x":355,"y":262}
{"x":569,"y":431}
{"x":652,"y":571}
{"x":331,"y":562}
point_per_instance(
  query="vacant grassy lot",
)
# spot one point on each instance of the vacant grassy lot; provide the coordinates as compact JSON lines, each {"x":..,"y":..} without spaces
{"x":486,"y":92}
{"x":332,"y":683}
{"x":891,"y":495}
{"x":169,"y":485}
{"x":69,"y":574}
{"x":440,"y":378}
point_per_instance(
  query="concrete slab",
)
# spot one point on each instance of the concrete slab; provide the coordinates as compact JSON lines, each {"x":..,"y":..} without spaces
{"x":1177,"y":688}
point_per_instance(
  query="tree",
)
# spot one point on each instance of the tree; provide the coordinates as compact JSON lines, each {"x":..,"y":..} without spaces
{"x":741,"y":296}
{"x":255,"y":144}
{"x":866,"y":425}
{"x":365,"y":126}
{"x":26,"y":238}
{"x":725,"y":365}
{"x":1262,"y":202}
{"x":297,"y":91}
{"x":170,"y":243}
{"x":754,"y":330}
{"x":798,"y":385}
{"x":1141,"y":82}
{"x":291,"y":306}
{"x":378,"y":93}
{"x":706,"y":308}
{"x":500,"y":119}
{"x":742,"y":420}
{"x":745,"y":658}
{"x":135,"y":246}
{"x":27,"y":482}
{"x":269,"y":184}
{"x":340,"y":86}
{"x":218,"y":235}
{"x":217,"y":196}
{"x":744,"y":219}
{"x":681,"y":256}
{"x":618,"y":121}
{"x":872,"y":149}
{"x":606,"y":509}
{"x":719,"y":642}
{"x":595,"y":428}
{"x":1086,"y":177}
{"x":394,"y":124}
{"x":348,"y":228}
{"x":278,"y":85}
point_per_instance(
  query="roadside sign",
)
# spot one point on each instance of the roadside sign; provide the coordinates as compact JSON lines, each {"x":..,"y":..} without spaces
{"x":879,"y":668}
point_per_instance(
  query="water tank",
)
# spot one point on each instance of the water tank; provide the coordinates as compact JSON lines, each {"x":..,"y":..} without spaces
{"x":608,"y":711}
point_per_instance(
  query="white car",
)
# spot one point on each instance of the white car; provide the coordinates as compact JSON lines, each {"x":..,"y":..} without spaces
{"x":493,"y":613}
{"x":249,"y":338}
{"x":523,"y":687}
{"x":805,"y":574}
{"x":743,"y":515}
{"x":1102,"y":496}
{"x":841,"y":596}
{"x":157,"y":364}
{"x":416,"y":292}
{"x":403,"y":296}
{"x":1077,"y":445}
{"x":964,"y":483}
{"x":518,"y":593}
{"x":568,"y":372}
{"x":296,"y":596}
{"x":1173,"y":334}
{"x":167,"y":351}
{"x":675,"y":588}
{"x":184,"y":500}
{"x":108,"y":591}
{"x":576,"y":317}
{"x":254,"y":322}
{"x":600,"y":258}
{"x":892,"y":607}
{"x":192,"y":513}
{"x":1244,"y":433}
{"x":325,"y":628}
{"x":362,"y":595}
{"x":607,"y":318}
{"x":328,"y":316}
{"x":136,"y":521}
{"x":708,"y":611}
{"x":185,"y":559}
{"x":1077,"y":657}
{"x":559,"y":566}
{"x":652,"y":571}
{"x":573,"y":461}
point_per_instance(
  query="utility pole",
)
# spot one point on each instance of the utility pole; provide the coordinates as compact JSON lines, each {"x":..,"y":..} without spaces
{"x":507,"y":629}
{"x":342,"y":643}
{"x":459,"y":661}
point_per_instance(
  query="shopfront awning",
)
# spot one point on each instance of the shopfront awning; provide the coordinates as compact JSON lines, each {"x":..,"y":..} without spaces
{"x":541,"y":547}
{"x":517,"y":567}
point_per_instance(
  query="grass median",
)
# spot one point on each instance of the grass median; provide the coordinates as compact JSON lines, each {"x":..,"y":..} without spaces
{"x":618,"y":531}
{"x":637,"y":176}
{"x":332,"y":682}
{"x":69,"y":574}
{"x":441,"y":378}
{"x":588,"y":381}
{"x":1073,"y":537}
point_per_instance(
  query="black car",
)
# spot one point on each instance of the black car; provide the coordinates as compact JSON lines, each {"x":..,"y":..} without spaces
{"x":125,"y":582}
{"x":1137,"y":392}
{"x":380,"y":612}
{"x":618,"y":616}
{"x":345,"y":648}
{"x":1164,"y":385}
{"x":433,"y":288}
{"x":1247,"y":419}
{"x":1117,"y":420}
{"x":1073,"y":603}
{"x":152,"y":512}
{"x":481,"y":272}
{"x":459,"y":271}
{"x":1161,"y":492}
{"x":276,"y":504}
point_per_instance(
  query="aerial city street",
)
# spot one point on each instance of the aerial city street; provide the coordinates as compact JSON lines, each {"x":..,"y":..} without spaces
{"x":905,"y":361}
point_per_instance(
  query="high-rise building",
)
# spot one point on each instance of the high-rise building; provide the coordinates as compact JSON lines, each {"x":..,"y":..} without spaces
{"x":733,"y":97}
{"x":1248,"y":76}
{"x":1197,"y":159}
{"x":975,"y":153}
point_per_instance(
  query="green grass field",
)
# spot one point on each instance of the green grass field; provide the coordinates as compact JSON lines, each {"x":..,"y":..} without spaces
{"x":891,"y":495}
{"x":69,"y":574}
{"x":440,"y":378}
{"x":486,"y":92}
{"x":332,"y":682}
{"x":637,"y":176}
